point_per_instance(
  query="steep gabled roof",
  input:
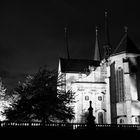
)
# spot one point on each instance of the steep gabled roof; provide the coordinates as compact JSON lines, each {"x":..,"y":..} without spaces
{"x":126,"y":45}
{"x":76,"y":65}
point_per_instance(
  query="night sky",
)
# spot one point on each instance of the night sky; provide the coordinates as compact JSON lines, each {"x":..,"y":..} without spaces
{"x":32,"y":33}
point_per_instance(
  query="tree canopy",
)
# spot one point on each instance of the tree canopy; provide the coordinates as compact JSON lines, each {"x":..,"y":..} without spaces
{"x":5,"y":100}
{"x":39,"y":98}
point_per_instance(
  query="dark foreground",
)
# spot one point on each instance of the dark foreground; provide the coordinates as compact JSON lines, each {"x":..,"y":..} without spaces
{"x":41,"y":133}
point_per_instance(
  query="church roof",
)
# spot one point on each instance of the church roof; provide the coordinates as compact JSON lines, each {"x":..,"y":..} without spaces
{"x":77,"y":65}
{"x":126,"y":45}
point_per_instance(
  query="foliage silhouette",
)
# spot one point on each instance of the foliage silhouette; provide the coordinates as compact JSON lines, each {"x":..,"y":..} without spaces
{"x":40,"y":99}
{"x":5,"y":100}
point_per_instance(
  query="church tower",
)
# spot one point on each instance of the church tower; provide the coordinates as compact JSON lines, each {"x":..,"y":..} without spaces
{"x":111,"y":83}
{"x":124,"y":85}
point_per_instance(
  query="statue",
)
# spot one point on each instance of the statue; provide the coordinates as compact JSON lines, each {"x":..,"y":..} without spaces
{"x":90,"y":118}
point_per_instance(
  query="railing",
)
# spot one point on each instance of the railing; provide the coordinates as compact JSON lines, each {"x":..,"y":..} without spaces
{"x":72,"y":126}
{"x":119,"y":126}
{"x":47,"y":125}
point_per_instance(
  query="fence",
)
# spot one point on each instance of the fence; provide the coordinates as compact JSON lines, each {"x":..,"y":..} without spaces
{"x":72,"y":126}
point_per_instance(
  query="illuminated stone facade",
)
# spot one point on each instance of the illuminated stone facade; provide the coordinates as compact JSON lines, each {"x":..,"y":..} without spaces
{"x":112,"y":84}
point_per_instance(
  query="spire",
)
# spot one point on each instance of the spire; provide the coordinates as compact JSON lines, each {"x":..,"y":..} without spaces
{"x":66,"y":42}
{"x":107,"y":39}
{"x":97,"y":51}
{"x":107,"y":45}
{"x":0,"y":82}
{"x":126,"y":29}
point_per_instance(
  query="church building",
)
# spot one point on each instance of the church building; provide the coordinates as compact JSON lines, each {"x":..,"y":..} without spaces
{"x":111,"y":82}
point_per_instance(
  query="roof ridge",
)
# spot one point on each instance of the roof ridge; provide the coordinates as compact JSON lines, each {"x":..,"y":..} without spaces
{"x":126,"y":45}
{"x":120,"y":42}
{"x":77,"y":65}
{"x":79,"y":59}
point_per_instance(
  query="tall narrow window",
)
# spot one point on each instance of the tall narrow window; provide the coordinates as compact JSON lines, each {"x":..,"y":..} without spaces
{"x":100,"y":118}
{"x":120,"y":85}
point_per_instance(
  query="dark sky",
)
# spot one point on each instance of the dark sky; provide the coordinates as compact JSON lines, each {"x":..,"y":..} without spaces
{"x":32,"y":33}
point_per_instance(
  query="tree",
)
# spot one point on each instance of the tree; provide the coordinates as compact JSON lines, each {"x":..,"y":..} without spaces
{"x":39,"y":99}
{"x":4,"y":100}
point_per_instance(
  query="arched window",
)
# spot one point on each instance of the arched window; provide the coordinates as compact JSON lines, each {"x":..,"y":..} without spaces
{"x":121,"y":121}
{"x":100,"y":118}
{"x":137,"y":119}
